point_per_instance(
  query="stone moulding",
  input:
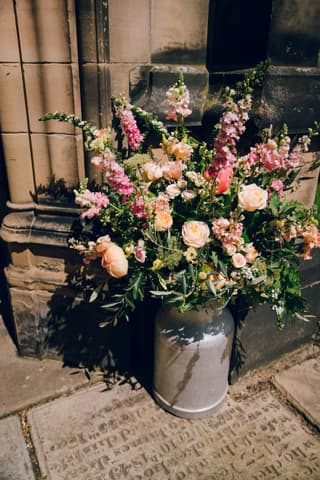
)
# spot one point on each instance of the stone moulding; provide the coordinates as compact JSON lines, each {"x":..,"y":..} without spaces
{"x":29,"y":227}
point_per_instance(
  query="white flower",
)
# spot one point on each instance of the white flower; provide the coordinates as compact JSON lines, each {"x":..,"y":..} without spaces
{"x":173,"y":190}
{"x":252,"y":198}
{"x":188,"y":195}
{"x":195,"y":234}
{"x":151,"y":171}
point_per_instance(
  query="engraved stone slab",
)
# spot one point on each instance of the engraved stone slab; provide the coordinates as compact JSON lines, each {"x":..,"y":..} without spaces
{"x":15,"y":462}
{"x":121,"y":434}
{"x":301,"y":384}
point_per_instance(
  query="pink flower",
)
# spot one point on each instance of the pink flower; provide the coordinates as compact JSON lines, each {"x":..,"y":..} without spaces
{"x":116,"y":177}
{"x":129,"y":126}
{"x":229,"y":233}
{"x":101,"y":162}
{"x":224,"y":179}
{"x":91,"y":203}
{"x":178,"y":98}
{"x":232,"y":126}
{"x":238,"y":260}
{"x":137,"y":208}
{"x":173,"y":170}
{"x":277,"y":186}
{"x":140,"y":252}
{"x":295,"y":158}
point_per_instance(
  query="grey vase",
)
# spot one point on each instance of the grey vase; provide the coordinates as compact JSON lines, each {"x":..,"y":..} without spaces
{"x":192,"y":359}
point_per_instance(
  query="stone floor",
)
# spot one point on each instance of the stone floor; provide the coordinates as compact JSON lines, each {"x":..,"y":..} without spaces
{"x":56,"y":424}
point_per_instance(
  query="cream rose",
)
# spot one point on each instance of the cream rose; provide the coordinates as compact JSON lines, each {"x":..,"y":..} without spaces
{"x":151,"y":171}
{"x":182,"y":151}
{"x":252,"y":198}
{"x":173,"y":190}
{"x":114,"y":261}
{"x":195,"y":234}
{"x":163,"y":221}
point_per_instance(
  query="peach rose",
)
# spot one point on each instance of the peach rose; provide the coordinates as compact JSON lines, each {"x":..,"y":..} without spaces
{"x":173,"y":170}
{"x":238,"y":260}
{"x":163,"y":221}
{"x":114,"y":261}
{"x":195,"y":234}
{"x":182,"y":151}
{"x":103,"y":243}
{"x":252,"y":198}
{"x":151,"y":171}
{"x":250,"y":253}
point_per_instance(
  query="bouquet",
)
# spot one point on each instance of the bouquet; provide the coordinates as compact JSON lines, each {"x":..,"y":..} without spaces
{"x":186,"y":221}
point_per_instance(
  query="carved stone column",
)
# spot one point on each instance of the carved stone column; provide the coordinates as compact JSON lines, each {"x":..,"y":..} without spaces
{"x":38,"y":73}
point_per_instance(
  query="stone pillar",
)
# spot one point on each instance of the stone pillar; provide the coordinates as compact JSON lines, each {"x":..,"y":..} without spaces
{"x":38,"y":73}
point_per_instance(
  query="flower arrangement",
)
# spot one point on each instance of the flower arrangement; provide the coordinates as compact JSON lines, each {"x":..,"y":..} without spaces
{"x":189,"y":222}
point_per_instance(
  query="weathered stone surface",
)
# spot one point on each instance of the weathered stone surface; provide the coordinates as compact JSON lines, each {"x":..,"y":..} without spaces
{"x":26,"y":381}
{"x":294,"y":35}
{"x":301,"y":385}
{"x":182,"y":41}
{"x":98,"y":434}
{"x":15,"y":462}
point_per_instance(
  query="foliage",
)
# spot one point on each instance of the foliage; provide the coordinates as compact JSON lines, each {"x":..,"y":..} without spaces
{"x":189,"y":222}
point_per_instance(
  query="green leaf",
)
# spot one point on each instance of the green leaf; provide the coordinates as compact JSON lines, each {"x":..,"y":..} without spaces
{"x":159,"y":293}
{"x":93,"y":296}
{"x":274,"y":203}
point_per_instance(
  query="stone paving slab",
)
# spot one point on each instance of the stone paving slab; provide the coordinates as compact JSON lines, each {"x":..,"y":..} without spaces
{"x":15,"y":462}
{"x":26,"y":381}
{"x":121,"y":434}
{"x":301,"y":385}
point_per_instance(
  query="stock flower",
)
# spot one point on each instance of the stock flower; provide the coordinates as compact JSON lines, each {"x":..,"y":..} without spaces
{"x":138,"y":207}
{"x":117,"y":178}
{"x":251,"y":198}
{"x":101,"y":162}
{"x":114,"y":261}
{"x":178,"y":98}
{"x":129,"y":126}
{"x":91,"y":203}
{"x":195,"y":233}
{"x":277,"y":186}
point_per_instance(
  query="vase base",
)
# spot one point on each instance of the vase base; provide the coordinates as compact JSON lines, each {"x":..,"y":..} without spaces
{"x":186,"y":413}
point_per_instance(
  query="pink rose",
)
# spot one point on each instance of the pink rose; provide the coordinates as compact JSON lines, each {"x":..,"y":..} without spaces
{"x":238,"y":260}
{"x":224,"y":178}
